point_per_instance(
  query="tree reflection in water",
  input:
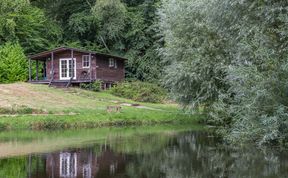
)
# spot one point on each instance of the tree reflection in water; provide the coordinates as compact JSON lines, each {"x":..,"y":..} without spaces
{"x":182,"y":155}
{"x":199,"y":155}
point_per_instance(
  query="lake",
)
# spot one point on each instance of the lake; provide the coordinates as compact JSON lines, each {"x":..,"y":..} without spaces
{"x":180,"y":151}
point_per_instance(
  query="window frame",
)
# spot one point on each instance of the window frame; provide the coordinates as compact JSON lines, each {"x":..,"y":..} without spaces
{"x":83,"y":61}
{"x":67,"y":77}
{"x":113,"y":63}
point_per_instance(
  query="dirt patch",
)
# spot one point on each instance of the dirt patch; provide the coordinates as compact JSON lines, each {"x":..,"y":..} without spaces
{"x":24,"y":94}
{"x":15,"y":115}
{"x":149,"y":108}
{"x":140,"y":107}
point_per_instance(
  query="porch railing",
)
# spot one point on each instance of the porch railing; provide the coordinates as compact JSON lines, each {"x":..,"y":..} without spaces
{"x":51,"y":80}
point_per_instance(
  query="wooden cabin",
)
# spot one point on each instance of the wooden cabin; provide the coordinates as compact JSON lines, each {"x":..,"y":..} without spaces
{"x":70,"y":66}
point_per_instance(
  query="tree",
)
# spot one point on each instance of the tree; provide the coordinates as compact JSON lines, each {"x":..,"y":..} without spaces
{"x":23,"y":23}
{"x":194,"y":52}
{"x":257,"y":33}
{"x":111,"y":16}
{"x":232,"y":57}
{"x":142,"y":40}
{"x":13,"y":63}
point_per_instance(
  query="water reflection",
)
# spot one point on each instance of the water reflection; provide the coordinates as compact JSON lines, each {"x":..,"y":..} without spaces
{"x":181,"y":155}
{"x":83,"y":163}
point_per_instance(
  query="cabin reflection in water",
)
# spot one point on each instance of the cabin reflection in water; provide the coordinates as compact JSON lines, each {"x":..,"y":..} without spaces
{"x":84,"y":164}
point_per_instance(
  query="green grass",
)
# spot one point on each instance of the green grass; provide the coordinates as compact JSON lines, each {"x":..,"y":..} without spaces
{"x":76,"y":108}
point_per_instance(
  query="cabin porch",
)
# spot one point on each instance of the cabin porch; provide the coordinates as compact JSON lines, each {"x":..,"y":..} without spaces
{"x":59,"y":81}
{"x":60,"y":68}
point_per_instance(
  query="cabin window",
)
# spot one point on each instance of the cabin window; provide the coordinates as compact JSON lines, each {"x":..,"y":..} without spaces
{"x":112,"y":63}
{"x":85,"y":61}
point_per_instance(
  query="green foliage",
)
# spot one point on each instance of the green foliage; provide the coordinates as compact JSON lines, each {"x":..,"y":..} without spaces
{"x":142,"y":41}
{"x":111,"y":15}
{"x":194,"y":53}
{"x":23,"y":23}
{"x":80,"y":23}
{"x":140,"y":91}
{"x":13,"y":63}
{"x":232,"y":58}
{"x":94,"y":86}
{"x":258,"y":75}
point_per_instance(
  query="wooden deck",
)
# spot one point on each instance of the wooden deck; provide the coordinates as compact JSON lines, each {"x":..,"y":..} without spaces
{"x":58,"y":81}
{"x":67,"y":83}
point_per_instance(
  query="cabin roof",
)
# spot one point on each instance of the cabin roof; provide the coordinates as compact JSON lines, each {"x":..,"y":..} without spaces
{"x":45,"y":54}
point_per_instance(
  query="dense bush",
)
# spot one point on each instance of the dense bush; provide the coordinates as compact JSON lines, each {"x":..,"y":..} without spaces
{"x":13,"y":63}
{"x":140,"y":91}
{"x":94,"y":86}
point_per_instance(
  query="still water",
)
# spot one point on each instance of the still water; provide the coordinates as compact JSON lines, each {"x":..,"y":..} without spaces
{"x":135,"y":152}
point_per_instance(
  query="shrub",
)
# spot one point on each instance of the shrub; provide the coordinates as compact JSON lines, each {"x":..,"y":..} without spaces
{"x":95,"y":86}
{"x":5,"y":110}
{"x":13,"y":63}
{"x":15,"y":109}
{"x":140,"y":91}
{"x":83,"y":86}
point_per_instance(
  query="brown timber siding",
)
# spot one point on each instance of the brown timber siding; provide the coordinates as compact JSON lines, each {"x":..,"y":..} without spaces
{"x":106,"y":73}
{"x":102,"y":72}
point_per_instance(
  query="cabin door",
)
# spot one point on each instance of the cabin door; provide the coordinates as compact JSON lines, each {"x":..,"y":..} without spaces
{"x":66,"y":68}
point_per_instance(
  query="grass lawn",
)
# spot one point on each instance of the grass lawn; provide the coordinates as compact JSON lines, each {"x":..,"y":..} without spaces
{"x":76,"y":108}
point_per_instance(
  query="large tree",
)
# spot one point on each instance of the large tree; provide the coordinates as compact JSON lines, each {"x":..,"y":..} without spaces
{"x":230,"y":56}
{"x":257,"y":39}
{"x":194,"y":53}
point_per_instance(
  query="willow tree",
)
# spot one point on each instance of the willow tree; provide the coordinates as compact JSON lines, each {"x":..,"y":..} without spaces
{"x":232,"y":57}
{"x":257,"y":36}
{"x":194,"y":53}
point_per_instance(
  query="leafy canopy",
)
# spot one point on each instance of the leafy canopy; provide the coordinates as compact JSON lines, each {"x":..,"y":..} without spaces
{"x":23,"y":23}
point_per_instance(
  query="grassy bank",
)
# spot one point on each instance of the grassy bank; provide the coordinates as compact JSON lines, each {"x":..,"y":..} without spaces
{"x":26,"y":106}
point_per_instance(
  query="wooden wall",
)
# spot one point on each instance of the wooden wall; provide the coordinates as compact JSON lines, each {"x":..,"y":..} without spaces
{"x":101,"y":72}
{"x":106,"y":73}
